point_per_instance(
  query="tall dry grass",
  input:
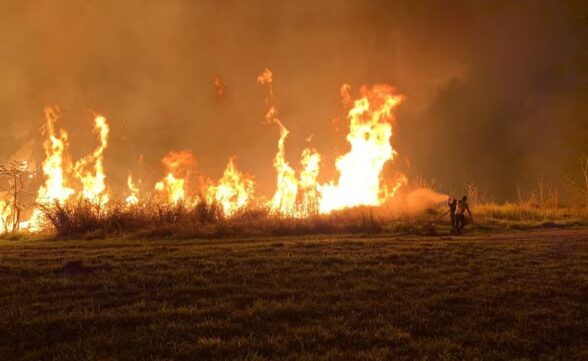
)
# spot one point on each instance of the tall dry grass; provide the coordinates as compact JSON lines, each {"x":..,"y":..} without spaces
{"x":152,"y":219}
{"x":529,"y":215}
{"x":538,"y":207}
{"x":82,"y":219}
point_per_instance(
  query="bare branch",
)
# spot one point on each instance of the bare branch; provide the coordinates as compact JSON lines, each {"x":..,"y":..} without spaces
{"x":17,"y":172}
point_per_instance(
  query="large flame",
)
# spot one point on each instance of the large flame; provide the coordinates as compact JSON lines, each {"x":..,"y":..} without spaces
{"x":308,"y":198}
{"x":55,"y":189}
{"x":360,"y":170}
{"x":284,"y":199}
{"x":178,"y":165}
{"x":56,"y":163}
{"x":298,"y":192}
{"x":234,"y":190}
{"x":90,"y":169}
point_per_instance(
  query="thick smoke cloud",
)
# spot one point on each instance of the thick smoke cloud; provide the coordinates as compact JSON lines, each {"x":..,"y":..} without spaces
{"x":495,"y":90}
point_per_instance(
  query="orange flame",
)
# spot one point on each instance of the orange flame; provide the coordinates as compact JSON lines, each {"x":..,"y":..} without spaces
{"x":234,"y":190}
{"x":308,"y":183}
{"x":360,"y":169}
{"x":178,"y":165}
{"x":93,"y":181}
{"x":284,"y":200}
{"x":133,"y":198}
{"x":55,"y":188}
{"x":220,"y":86}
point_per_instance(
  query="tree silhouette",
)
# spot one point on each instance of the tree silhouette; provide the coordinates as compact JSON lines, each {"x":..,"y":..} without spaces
{"x":17,"y":174}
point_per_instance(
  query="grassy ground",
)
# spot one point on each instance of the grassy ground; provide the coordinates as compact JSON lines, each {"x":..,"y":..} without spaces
{"x":521,"y":295}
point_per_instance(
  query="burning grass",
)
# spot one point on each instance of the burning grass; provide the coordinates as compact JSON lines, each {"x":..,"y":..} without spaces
{"x":74,"y":199}
{"x":152,"y":219}
{"x":81,"y":192}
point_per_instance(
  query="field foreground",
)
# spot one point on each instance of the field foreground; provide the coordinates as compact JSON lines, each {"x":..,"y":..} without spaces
{"x":520,"y":295}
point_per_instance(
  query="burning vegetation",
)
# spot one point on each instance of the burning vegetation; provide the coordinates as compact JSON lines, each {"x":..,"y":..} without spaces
{"x":74,"y":198}
{"x":299,"y":194}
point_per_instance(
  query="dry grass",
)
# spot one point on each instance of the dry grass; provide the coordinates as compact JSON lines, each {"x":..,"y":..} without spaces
{"x":83,"y":218}
{"x":153,"y":220}
{"x":517,"y":215}
{"x":517,"y":296}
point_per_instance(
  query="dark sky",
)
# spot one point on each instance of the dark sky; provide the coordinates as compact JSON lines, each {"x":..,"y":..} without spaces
{"x":496,"y":91}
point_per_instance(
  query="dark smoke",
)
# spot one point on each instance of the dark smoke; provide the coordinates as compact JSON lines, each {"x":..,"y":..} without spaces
{"x":496,"y":90}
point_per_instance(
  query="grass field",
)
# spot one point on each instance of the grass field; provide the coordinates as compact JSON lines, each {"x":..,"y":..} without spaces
{"x":517,"y":295}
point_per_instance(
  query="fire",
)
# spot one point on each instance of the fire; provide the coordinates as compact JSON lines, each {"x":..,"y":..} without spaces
{"x":234,"y":190}
{"x":56,"y":163}
{"x":345,"y":96}
{"x":220,"y":86}
{"x":360,"y":170}
{"x":298,"y":192}
{"x":55,"y":188}
{"x":178,"y":165}
{"x":174,"y":188}
{"x":284,"y":200}
{"x":390,"y":190}
{"x":266,"y":78}
{"x":93,"y":178}
{"x":308,"y":182}
{"x":295,"y":196}
{"x":133,"y":198}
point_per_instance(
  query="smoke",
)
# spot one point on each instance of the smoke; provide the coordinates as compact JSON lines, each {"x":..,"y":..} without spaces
{"x":413,"y":200}
{"x":423,"y":198}
{"x":495,"y":90}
